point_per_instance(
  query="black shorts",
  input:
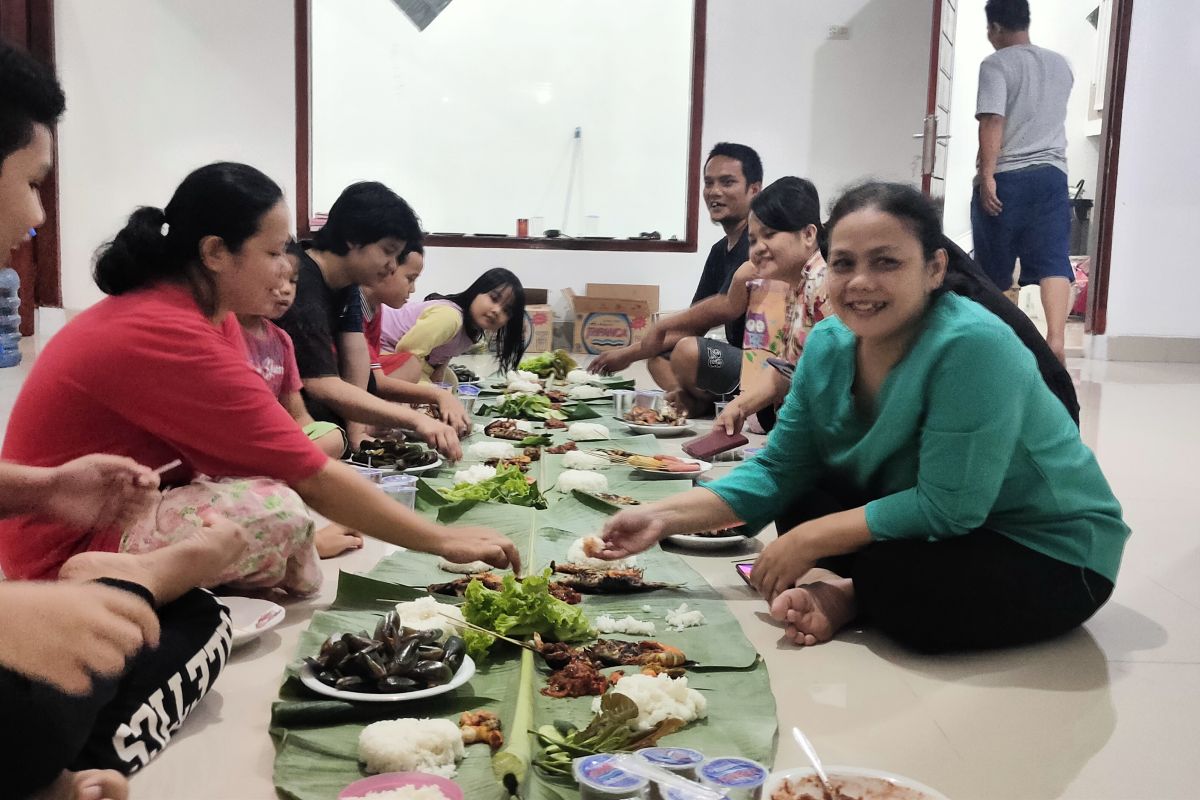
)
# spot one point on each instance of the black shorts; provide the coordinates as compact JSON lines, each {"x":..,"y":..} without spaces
{"x":718,"y":367}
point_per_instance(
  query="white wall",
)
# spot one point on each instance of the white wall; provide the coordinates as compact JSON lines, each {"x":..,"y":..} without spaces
{"x":1059,"y":25}
{"x":1155,"y":284}
{"x":156,"y":88}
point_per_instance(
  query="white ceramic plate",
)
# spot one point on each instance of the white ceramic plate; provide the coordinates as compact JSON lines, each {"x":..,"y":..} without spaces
{"x":693,"y":542}
{"x":426,"y":468}
{"x":905,"y":788}
{"x":657,"y":430}
{"x":251,"y":618}
{"x":704,"y":467}
{"x":464,"y":674}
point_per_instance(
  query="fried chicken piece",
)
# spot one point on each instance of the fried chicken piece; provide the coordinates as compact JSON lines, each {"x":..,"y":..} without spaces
{"x":481,"y":727}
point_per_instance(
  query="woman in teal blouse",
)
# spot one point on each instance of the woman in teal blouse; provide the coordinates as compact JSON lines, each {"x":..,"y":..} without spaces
{"x":979,"y":517}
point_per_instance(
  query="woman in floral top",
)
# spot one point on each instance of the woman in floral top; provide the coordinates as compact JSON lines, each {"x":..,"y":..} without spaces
{"x":785,"y":229}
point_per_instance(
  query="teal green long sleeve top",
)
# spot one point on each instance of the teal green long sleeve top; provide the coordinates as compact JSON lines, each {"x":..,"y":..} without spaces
{"x":966,"y":435}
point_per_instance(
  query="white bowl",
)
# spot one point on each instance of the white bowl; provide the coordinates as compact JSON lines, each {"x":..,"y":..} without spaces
{"x":856,"y":782}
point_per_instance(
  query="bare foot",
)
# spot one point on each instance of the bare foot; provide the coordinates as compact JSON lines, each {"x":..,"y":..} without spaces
{"x":92,"y":784}
{"x":816,"y":611}
{"x":690,"y":405}
{"x":333,"y":540}
{"x":195,"y":561}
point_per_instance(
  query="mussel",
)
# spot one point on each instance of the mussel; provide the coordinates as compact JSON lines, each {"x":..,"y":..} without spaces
{"x":351,"y":683}
{"x":432,"y":673}
{"x":397,"y":683}
{"x":431,"y":652}
{"x":455,"y":649}
{"x":405,"y":658}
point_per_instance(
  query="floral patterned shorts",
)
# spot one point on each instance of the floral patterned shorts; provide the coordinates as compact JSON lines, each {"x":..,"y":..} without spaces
{"x":281,"y":553}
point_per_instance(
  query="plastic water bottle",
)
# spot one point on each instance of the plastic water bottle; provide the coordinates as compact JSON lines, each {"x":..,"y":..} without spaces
{"x":10,"y":318}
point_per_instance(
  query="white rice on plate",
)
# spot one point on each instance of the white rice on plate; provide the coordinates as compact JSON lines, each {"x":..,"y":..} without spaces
{"x":474,"y":474}
{"x":579,"y":459}
{"x":425,"y":613}
{"x":468,"y":568}
{"x":682,"y":618}
{"x":634,"y":627}
{"x":659,"y":697}
{"x":586,"y":392}
{"x":582,"y":479}
{"x":587,"y":432}
{"x":580,"y":553}
{"x":482,"y":451}
{"x":411,"y":745}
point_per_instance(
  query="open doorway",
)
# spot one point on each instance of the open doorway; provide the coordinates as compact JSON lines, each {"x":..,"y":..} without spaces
{"x":1093,"y":36}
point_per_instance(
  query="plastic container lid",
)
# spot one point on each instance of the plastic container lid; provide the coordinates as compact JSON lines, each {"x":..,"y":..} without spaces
{"x":673,"y":793}
{"x":733,"y":773}
{"x":598,"y":774}
{"x":672,"y":758}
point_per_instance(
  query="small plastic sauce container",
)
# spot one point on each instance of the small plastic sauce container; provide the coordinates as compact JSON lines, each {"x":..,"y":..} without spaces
{"x":739,"y":778}
{"x":681,"y":761}
{"x":373,"y":474}
{"x":600,"y":779}
{"x":685,"y":794}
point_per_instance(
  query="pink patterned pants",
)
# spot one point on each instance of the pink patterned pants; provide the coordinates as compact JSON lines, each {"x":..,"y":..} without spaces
{"x":281,"y":553}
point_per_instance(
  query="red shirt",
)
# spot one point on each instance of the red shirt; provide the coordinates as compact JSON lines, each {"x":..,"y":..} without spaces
{"x":144,"y":375}
{"x":273,"y":356}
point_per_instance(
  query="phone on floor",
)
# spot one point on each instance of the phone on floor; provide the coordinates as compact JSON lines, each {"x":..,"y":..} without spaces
{"x":786,"y":368}
{"x":744,"y":570}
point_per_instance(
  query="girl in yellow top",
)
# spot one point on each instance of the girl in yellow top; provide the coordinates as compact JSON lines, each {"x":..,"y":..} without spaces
{"x":439,"y":328}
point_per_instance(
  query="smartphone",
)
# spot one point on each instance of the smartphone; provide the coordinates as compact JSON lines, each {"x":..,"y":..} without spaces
{"x":786,"y":368}
{"x":744,"y":570}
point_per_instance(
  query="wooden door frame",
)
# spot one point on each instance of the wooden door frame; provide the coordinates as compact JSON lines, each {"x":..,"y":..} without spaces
{"x":47,"y":287}
{"x":1100,"y":237}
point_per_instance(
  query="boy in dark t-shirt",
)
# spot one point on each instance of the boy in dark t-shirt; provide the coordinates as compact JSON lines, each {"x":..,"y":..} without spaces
{"x":368,"y":227}
{"x":704,"y":369}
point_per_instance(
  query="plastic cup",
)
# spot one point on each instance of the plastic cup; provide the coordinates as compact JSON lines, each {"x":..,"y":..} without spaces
{"x":401,"y":488}
{"x":467,"y":395}
{"x":622,"y":401}
{"x":649,"y":398}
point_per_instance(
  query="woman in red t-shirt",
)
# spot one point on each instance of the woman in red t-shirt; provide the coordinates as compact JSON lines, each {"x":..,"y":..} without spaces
{"x":158,"y":371}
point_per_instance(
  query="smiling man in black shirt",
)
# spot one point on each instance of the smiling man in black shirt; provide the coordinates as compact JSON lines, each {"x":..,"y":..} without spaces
{"x":685,"y":360}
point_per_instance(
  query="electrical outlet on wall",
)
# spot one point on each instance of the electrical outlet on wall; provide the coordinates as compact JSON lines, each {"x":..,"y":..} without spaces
{"x":839,"y":32}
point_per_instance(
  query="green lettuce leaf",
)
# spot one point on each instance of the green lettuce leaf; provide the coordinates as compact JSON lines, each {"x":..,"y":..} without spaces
{"x":521,"y":609}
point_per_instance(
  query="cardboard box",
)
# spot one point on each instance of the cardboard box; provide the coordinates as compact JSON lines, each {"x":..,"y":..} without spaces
{"x":611,"y":315}
{"x":539,"y":321}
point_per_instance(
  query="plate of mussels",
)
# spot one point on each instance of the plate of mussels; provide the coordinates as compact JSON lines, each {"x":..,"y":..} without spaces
{"x":398,"y":664}
{"x":400,"y":456}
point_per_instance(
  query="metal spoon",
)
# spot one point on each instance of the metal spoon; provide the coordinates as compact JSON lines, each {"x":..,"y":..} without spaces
{"x":811,"y":753}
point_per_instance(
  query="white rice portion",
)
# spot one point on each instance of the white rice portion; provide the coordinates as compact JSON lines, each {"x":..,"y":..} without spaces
{"x":659,"y":698}
{"x":578,"y":459}
{"x":587,"y":432}
{"x":407,"y":793}
{"x":585,"y":392}
{"x":579,"y":376}
{"x":482,"y":451}
{"x":475,"y":474}
{"x":582,"y":479}
{"x":577,"y":554}
{"x":681,"y":618}
{"x":522,"y":375}
{"x":522,"y":387}
{"x":469,"y":568}
{"x":411,"y":745}
{"x":634,"y":627}
{"x":425,"y":613}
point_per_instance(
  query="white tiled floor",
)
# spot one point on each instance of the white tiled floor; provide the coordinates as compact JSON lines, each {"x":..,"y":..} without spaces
{"x":1108,"y":712}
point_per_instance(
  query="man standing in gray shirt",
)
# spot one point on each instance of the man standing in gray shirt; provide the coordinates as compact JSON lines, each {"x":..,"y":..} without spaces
{"x":1020,"y":207}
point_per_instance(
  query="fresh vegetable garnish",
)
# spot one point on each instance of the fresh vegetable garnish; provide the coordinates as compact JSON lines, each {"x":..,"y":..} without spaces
{"x":521,"y":608}
{"x":525,"y":406}
{"x":558,"y":363}
{"x":508,"y":486}
{"x":610,"y":731}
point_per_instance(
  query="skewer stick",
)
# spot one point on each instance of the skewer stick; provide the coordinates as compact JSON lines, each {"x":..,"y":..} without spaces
{"x":482,"y":629}
{"x":170,"y":465}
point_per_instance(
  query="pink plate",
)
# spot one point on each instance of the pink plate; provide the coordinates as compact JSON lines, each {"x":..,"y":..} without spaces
{"x":398,"y":780}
